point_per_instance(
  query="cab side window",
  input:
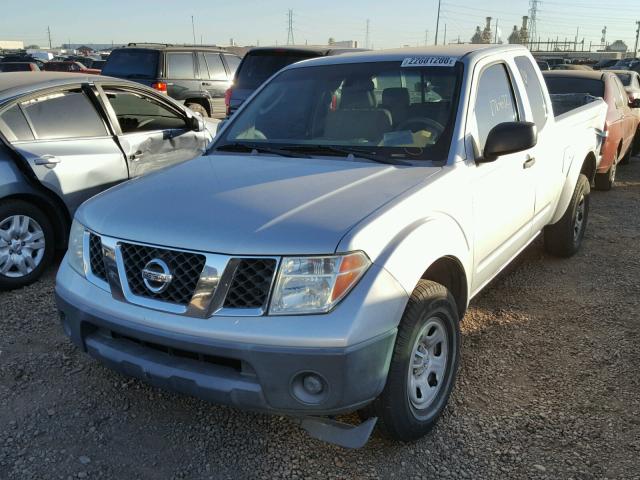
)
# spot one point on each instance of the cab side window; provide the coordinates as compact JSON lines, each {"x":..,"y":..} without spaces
{"x":534,"y":91}
{"x":495,"y":102}
{"x":139,"y":113}
{"x":180,"y":65}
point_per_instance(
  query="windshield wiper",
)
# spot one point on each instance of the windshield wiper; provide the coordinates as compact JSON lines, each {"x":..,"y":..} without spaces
{"x":356,"y":152}
{"x":244,"y":147}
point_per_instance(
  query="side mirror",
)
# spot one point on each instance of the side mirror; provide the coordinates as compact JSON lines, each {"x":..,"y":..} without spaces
{"x":635,"y":103}
{"x":196,"y":122}
{"x":509,"y":137}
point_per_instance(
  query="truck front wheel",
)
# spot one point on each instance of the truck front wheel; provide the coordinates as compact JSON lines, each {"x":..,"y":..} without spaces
{"x":423,"y":366}
{"x":564,"y":237}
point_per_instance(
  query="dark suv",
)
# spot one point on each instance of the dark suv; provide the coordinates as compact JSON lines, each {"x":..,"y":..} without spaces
{"x":262,"y":62}
{"x":194,"y":74}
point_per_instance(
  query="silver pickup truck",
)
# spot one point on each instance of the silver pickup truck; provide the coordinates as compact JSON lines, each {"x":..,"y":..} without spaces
{"x":320,"y":258}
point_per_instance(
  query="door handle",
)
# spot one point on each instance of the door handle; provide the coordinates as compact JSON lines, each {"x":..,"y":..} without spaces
{"x":529,"y":162}
{"x":135,"y":156}
{"x":47,"y":160}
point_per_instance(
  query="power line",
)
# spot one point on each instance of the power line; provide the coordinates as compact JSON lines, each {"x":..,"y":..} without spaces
{"x":290,"y":39}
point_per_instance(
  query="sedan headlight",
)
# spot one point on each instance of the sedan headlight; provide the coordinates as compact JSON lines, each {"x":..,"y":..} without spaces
{"x":75,"y":255}
{"x":315,"y":284}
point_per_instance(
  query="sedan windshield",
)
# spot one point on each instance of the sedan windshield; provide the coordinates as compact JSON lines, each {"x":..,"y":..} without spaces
{"x":381,"y":109}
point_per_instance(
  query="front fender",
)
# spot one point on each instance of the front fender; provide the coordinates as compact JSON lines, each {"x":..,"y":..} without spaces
{"x":418,"y":246}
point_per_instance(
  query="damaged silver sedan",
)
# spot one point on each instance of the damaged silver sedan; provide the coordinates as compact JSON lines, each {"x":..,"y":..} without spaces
{"x":66,"y":137}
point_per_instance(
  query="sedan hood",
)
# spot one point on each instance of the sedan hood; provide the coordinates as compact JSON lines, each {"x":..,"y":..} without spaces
{"x":249,"y":204}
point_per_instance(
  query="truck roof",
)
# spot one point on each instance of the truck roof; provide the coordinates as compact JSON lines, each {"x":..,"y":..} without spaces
{"x":462,"y":50}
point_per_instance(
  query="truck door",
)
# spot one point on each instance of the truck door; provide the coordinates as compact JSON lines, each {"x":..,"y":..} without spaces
{"x":547,"y":154}
{"x":153,"y":133}
{"x":66,"y":143}
{"x":503,"y":190}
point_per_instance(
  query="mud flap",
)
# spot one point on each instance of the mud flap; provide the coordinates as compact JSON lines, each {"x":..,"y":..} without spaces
{"x":339,"y":433}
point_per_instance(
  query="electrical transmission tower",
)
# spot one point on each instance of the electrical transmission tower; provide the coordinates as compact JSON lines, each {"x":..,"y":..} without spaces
{"x":290,"y":40}
{"x":366,"y":37}
{"x":533,"y":15}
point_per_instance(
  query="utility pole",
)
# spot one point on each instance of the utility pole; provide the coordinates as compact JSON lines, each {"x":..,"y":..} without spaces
{"x":193,"y":29}
{"x":49,"y":35}
{"x":366,"y":37}
{"x":533,"y":15}
{"x":426,"y":38}
{"x":438,"y":21}
{"x":575,"y":43}
{"x":495,"y":38}
{"x":290,"y":40}
{"x":445,"y":34}
{"x":635,"y":49}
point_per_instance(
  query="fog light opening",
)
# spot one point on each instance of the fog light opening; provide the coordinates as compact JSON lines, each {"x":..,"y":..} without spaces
{"x":309,"y":388}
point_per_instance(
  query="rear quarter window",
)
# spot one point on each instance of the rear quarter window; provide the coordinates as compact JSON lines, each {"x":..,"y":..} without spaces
{"x":534,"y":90}
{"x":257,"y":67}
{"x":132,"y":63}
{"x":180,"y":65}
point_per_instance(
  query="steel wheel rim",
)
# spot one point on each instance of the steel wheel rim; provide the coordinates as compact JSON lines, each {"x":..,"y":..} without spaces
{"x":579,"y":220}
{"x":426,"y":376}
{"x":22,"y":246}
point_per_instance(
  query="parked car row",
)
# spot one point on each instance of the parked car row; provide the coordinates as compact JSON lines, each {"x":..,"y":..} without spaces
{"x":64,"y":138}
{"x":318,"y":259}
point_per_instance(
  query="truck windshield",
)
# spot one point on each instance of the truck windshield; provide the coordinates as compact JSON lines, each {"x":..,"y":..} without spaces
{"x":379,"y":108}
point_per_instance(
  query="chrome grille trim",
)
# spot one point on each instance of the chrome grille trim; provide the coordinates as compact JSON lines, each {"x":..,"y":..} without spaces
{"x":210,"y":292}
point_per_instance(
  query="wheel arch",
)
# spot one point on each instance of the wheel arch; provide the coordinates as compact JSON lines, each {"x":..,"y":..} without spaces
{"x":449,"y":272}
{"x":203,"y":101}
{"x":589,"y":167}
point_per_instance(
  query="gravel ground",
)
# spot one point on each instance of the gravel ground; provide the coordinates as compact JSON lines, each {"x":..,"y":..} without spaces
{"x":548,"y":388}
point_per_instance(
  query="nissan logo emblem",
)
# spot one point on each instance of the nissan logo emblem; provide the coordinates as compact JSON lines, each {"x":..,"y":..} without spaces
{"x":156,"y":276}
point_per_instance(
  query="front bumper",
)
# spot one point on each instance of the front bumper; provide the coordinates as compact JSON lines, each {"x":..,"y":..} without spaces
{"x":245,"y":375}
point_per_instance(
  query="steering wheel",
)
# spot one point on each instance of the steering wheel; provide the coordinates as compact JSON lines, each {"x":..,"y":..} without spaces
{"x":416,"y":123}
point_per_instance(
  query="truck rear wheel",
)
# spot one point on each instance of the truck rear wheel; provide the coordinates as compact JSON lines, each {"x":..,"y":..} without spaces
{"x":423,"y":366}
{"x":564,"y":237}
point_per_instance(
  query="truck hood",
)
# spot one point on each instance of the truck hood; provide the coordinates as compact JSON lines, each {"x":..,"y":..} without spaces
{"x":249,"y":204}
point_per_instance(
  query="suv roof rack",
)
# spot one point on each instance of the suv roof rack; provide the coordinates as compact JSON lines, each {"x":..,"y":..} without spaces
{"x":135,"y":44}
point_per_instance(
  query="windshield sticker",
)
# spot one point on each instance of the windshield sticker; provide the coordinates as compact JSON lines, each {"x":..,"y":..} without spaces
{"x":439,"y":61}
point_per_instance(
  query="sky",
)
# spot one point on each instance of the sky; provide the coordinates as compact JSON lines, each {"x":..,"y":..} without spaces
{"x":248,"y":22}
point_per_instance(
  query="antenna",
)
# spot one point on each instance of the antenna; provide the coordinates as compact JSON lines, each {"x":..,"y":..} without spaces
{"x":366,"y":37}
{"x":533,"y":16}
{"x":290,"y":40}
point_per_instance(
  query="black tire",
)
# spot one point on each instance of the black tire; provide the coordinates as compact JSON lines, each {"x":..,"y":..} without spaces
{"x":197,"y":108}
{"x":18,"y":207}
{"x":635,"y":147}
{"x":399,"y":419}
{"x":564,"y":237}
{"x":605,"y":181}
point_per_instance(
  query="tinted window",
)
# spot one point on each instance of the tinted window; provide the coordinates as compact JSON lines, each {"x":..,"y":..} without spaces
{"x":494,"y":101}
{"x":216,"y":68}
{"x":232,"y":63}
{"x":15,"y":126}
{"x":180,"y":65}
{"x":259,"y":66}
{"x":15,"y":67}
{"x":139,"y":113}
{"x":67,"y":114}
{"x":575,"y":85}
{"x":132,"y":63}
{"x":625,"y":78}
{"x":534,"y":90}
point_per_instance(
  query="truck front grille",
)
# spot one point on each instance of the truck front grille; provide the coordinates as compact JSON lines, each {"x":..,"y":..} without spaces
{"x":95,"y":257}
{"x":185,"y":267}
{"x":251,"y":283}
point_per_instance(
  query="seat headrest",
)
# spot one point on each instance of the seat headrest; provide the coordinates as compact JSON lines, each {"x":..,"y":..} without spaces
{"x":396,"y":96}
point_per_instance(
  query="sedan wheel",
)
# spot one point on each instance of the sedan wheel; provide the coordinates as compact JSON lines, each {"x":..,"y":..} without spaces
{"x":22,"y":245}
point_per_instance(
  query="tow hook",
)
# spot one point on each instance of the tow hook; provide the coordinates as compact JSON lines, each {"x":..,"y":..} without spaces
{"x":338,"y":433}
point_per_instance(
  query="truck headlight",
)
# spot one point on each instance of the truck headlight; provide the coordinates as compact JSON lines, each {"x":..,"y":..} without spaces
{"x":315,"y":284}
{"x":75,"y":254}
